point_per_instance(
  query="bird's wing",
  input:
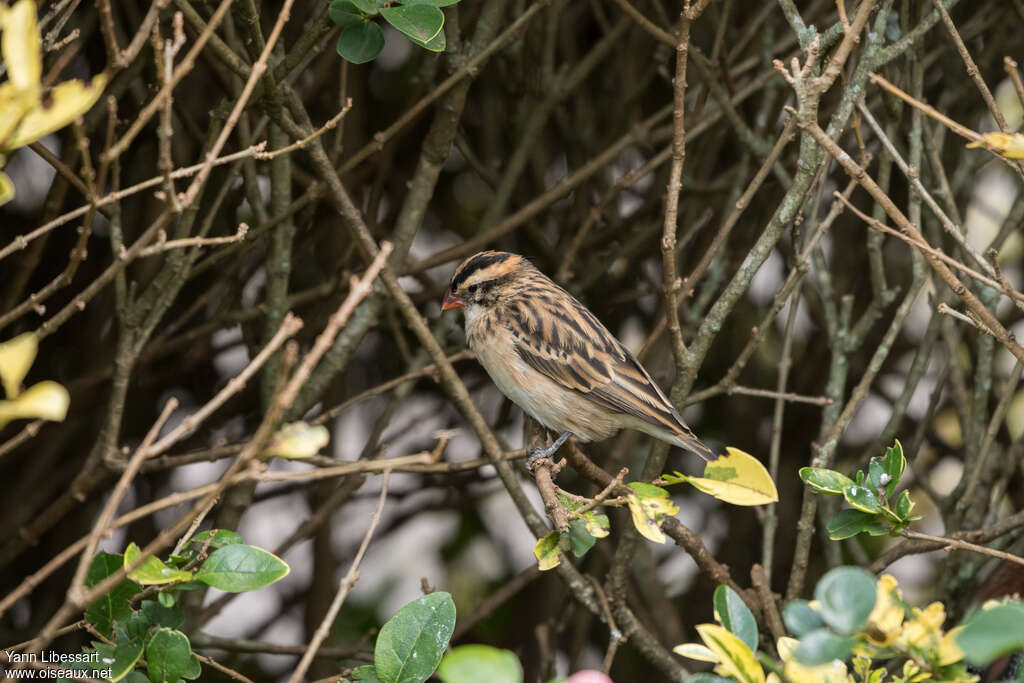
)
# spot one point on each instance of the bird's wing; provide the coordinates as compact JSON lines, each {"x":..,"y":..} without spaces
{"x":565,"y":342}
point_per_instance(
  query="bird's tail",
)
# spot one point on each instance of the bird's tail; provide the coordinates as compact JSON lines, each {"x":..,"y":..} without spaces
{"x":688,"y":440}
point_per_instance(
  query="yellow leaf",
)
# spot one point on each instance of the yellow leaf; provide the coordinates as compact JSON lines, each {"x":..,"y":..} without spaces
{"x":1015,"y":416}
{"x":6,"y":188}
{"x":949,"y":651}
{"x":47,"y":400}
{"x":22,"y":45}
{"x":152,"y":571}
{"x":546,"y":552}
{"x":734,"y":657}
{"x":62,"y":105}
{"x":14,"y":104}
{"x":298,"y":440}
{"x":695,"y":651}
{"x":16,"y":357}
{"x":1009,"y":145}
{"x":737,"y":478}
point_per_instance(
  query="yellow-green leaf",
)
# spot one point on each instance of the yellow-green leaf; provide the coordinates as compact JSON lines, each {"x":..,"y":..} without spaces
{"x":734,"y":657}
{"x":644,"y":522}
{"x":152,"y":572}
{"x":16,"y":357}
{"x":1009,"y":145}
{"x":56,"y":109}
{"x":22,"y":45}
{"x":738,"y":478}
{"x":695,"y":651}
{"x":298,"y":440}
{"x":546,"y":552}
{"x":6,"y":189}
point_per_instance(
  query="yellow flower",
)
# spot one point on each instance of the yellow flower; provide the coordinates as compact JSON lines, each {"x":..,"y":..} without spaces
{"x":886,"y":618}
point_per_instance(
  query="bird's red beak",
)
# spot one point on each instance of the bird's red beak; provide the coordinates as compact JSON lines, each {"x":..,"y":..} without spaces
{"x":451,"y":301}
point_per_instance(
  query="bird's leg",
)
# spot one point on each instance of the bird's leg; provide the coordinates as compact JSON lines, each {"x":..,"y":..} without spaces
{"x":539,"y":452}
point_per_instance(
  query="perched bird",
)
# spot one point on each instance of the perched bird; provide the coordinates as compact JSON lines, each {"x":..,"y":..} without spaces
{"x":554,"y":359}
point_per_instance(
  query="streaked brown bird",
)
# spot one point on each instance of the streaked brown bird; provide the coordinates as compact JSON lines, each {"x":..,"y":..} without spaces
{"x":555,"y":359}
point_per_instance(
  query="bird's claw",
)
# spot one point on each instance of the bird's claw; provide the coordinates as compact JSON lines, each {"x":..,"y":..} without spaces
{"x":539,"y":453}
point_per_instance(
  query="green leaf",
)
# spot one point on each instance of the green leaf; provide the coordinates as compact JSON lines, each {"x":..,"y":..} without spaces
{"x":436,"y":44}
{"x":580,"y":538}
{"x":993,"y":633}
{"x":825,"y":480}
{"x":894,"y":465}
{"x":704,"y":677}
{"x":432,"y":3}
{"x":847,"y":596}
{"x":862,"y":498}
{"x":152,"y":572}
{"x":547,"y":552}
{"x":904,"y":506}
{"x":801,"y":618}
{"x":366,"y":6}
{"x":344,"y":13}
{"x":366,"y":674}
{"x":477,"y":663}
{"x":120,"y":658}
{"x":734,"y":614}
{"x":361,"y":42}
{"x":240,"y":568}
{"x":849,"y":522}
{"x":115,"y":605}
{"x":169,"y":657}
{"x":821,"y":647}
{"x":221,"y":538}
{"x":166,"y":599}
{"x":419,"y":22}
{"x":159,"y":615}
{"x":409,"y":646}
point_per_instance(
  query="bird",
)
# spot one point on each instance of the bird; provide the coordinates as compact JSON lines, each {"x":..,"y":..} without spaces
{"x":554,"y":359}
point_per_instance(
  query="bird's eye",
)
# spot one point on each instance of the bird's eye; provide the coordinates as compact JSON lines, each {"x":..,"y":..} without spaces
{"x":473,"y":288}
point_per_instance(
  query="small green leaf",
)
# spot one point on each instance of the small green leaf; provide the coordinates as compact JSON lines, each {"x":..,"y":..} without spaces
{"x":360,"y":43}
{"x":478,"y":663}
{"x":847,"y":596}
{"x":821,"y":647}
{"x":734,"y":615}
{"x":580,"y":538}
{"x":862,"y":498}
{"x":547,"y":552}
{"x":876,"y":475}
{"x":801,"y":618}
{"x":410,"y":645}
{"x":221,"y":538}
{"x":344,"y":13}
{"x":240,"y":568}
{"x":115,"y":605}
{"x":152,"y":572}
{"x":904,"y":505}
{"x":993,"y":633}
{"x":419,"y":22}
{"x":894,"y":465}
{"x":366,"y":6}
{"x":166,"y":599}
{"x":849,"y":522}
{"x":169,"y":657}
{"x":825,"y":480}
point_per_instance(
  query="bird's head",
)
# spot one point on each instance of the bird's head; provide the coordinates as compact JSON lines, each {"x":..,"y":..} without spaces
{"x":480,"y":279}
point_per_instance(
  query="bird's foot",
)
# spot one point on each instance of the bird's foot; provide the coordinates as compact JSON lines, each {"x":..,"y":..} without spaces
{"x":547,"y":451}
